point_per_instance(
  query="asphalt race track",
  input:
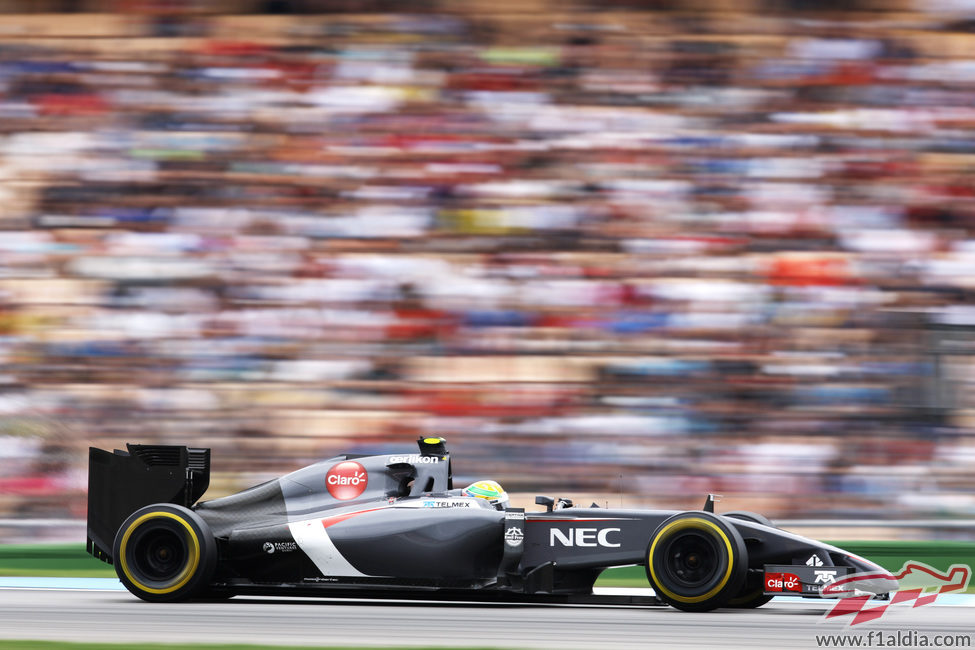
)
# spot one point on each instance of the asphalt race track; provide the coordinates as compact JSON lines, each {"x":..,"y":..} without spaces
{"x":105,"y":616}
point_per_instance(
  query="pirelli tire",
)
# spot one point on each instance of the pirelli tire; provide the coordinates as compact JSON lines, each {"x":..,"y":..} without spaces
{"x":165,"y":553}
{"x":752,"y":593}
{"x":696,"y":561}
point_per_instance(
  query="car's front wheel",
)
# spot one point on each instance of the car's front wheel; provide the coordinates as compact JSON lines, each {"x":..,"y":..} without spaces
{"x":696,"y":561}
{"x":164,"y":553}
{"x":752,"y":593}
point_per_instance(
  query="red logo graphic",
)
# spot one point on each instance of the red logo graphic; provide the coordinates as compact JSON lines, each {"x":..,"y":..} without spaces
{"x":347,"y":480}
{"x":916,"y":576}
{"x":782,"y":582}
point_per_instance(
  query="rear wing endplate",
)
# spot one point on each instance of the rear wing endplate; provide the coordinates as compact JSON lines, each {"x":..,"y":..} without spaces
{"x":121,"y":482}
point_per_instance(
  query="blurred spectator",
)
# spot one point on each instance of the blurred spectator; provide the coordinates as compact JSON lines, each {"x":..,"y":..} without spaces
{"x":727,"y":251}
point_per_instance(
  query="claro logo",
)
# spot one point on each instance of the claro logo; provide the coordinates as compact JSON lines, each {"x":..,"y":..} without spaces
{"x":782,"y":582}
{"x":347,"y":480}
{"x":585,"y":537}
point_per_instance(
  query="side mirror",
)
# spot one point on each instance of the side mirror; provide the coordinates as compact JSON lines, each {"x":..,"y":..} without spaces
{"x":710,"y":501}
{"x":548,"y":502}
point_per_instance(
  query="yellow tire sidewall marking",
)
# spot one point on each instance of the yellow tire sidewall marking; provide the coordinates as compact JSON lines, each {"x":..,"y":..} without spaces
{"x":699,"y":524}
{"x":188,"y":571}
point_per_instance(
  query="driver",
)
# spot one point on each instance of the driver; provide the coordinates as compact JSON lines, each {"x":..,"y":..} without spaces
{"x":491,"y":491}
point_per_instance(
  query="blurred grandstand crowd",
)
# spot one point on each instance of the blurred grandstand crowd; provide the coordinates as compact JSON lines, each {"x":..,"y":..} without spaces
{"x":598,"y":246}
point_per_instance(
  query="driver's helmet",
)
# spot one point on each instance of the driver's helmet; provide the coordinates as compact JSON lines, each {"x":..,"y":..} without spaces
{"x":491,"y":491}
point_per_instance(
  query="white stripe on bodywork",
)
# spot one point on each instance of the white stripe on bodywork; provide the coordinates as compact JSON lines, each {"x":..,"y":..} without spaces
{"x":313,"y":539}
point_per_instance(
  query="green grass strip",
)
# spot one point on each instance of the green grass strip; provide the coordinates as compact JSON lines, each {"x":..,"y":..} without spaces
{"x":891,"y":555}
{"x":72,"y":561}
{"x":52,"y":560}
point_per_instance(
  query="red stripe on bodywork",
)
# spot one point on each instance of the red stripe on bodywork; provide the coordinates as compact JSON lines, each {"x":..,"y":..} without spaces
{"x":563,"y":521}
{"x":331,"y":521}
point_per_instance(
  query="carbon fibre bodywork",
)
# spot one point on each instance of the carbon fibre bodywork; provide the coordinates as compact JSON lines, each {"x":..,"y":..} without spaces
{"x":393,"y":524}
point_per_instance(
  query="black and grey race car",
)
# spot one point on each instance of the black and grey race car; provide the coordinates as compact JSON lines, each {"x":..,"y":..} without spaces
{"x":394,"y":526}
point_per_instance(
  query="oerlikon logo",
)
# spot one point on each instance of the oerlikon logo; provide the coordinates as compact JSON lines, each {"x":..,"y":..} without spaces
{"x":919,"y":583}
{"x":347,"y":480}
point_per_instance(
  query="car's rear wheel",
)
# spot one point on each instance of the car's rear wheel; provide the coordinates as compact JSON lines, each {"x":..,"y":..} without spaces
{"x":696,"y":561}
{"x":164,"y":553}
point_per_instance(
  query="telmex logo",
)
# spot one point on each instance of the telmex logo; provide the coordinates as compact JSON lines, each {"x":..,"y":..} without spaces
{"x":584,"y":537}
{"x":413,"y":459}
{"x":825,"y":576}
{"x":914,"y":578}
{"x":447,"y":504}
{"x":346,"y":480}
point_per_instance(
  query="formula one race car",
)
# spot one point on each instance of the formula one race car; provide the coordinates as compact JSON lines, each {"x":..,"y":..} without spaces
{"x":394,"y":526}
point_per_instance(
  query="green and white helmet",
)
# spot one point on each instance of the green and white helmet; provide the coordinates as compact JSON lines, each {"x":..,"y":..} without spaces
{"x":489,"y":490}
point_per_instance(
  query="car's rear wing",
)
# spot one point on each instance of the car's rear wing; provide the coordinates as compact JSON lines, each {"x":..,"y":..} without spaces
{"x":121,"y":482}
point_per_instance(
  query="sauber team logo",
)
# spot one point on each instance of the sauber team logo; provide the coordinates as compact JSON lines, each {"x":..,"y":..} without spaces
{"x":347,"y":480}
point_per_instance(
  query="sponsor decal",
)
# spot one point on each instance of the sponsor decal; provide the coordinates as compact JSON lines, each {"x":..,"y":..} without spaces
{"x":917,"y":582}
{"x":809,"y":580}
{"x":782,"y":582}
{"x":514,"y":515}
{"x":585,"y":537}
{"x":413,"y":459}
{"x":825,"y":576}
{"x":446,"y":504}
{"x":815,"y":560}
{"x":346,"y":480}
{"x":514,"y":536}
{"x":280,"y":547}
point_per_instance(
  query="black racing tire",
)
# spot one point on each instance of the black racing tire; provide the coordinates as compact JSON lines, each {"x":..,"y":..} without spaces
{"x":696,"y":561}
{"x":746,"y":515}
{"x":165,"y":553}
{"x":752,"y":593}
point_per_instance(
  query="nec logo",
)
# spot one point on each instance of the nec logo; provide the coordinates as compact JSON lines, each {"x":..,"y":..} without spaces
{"x":585,"y":537}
